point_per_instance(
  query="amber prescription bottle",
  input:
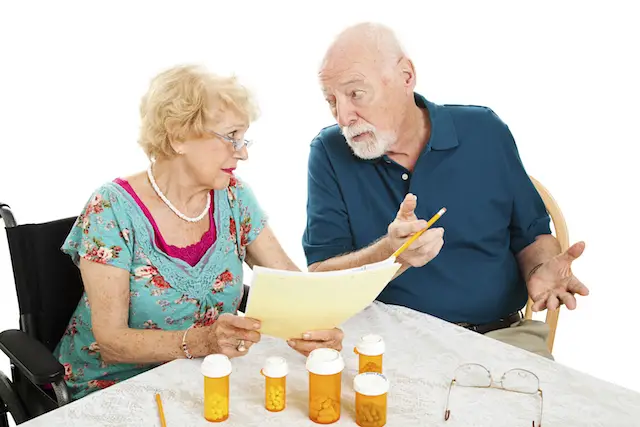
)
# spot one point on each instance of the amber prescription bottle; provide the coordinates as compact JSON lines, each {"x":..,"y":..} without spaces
{"x":370,"y":350}
{"x":275,"y":371}
{"x":371,"y":399}
{"x":325,"y":366}
{"x":216,"y":369}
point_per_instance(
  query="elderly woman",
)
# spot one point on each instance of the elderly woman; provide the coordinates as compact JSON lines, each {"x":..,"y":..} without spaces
{"x":161,"y":252}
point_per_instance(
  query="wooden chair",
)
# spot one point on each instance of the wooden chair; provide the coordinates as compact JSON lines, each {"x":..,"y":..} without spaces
{"x":562,"y":234}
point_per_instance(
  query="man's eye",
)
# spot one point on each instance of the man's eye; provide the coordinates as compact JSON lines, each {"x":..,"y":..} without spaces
{"x":232,"y":135}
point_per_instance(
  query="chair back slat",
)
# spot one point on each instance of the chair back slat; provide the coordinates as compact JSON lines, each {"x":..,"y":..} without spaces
{"x":562,"y":234}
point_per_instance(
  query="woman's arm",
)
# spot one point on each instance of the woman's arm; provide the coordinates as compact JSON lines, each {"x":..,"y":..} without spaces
{"x":108,"y":292}
{"x":266,"y":251}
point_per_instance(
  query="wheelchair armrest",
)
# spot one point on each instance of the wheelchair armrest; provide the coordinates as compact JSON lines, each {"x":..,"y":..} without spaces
{"x":31,"y":357}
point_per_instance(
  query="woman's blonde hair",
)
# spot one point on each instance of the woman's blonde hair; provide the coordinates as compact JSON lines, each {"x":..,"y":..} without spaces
{"x":179,"y":102}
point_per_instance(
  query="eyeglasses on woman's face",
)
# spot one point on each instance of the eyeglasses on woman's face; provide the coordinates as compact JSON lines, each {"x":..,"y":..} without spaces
{"x":238,"y":144}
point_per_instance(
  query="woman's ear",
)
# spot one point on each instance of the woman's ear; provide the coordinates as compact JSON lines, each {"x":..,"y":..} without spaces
{"x":178,"y":147}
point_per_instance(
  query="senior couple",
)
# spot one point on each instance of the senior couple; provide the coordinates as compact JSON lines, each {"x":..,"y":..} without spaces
{"x":161,"y":252}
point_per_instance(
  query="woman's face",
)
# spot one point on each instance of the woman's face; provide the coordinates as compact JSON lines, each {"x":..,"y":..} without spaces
{"x":213,"y":158}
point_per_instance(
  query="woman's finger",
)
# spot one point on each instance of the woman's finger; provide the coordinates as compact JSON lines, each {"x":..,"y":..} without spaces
{"x":242,"y":334}
{"x":239,"y":322}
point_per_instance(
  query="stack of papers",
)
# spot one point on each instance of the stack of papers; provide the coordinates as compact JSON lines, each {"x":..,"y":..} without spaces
{"x":290,"y":303}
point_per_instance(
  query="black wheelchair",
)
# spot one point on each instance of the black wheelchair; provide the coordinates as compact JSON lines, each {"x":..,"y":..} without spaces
{"x":48,"y":286}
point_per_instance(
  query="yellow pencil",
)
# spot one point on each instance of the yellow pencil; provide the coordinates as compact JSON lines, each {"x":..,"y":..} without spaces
{"x":163,"y":423}
{"x":419,"y":233}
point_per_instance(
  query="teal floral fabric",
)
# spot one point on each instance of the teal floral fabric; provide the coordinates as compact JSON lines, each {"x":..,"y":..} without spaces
{"x":166,"y":293}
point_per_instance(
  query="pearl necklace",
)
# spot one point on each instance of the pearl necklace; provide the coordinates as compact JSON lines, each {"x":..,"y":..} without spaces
{"x":173,"y":208}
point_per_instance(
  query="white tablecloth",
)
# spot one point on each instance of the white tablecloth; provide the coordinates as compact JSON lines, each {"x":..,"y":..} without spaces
{"x":422,"y":354}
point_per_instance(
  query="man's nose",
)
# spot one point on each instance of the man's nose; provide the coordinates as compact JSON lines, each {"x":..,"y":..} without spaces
{"x":345,"y":113}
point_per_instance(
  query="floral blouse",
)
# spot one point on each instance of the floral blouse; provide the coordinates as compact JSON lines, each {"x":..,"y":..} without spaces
{"x":167,"y":293}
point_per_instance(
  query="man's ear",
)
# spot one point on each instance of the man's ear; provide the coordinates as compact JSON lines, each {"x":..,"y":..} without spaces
{"x":408,"y":74}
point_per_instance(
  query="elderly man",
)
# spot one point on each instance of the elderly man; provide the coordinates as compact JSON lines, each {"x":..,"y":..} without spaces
{"x":392,"y":147}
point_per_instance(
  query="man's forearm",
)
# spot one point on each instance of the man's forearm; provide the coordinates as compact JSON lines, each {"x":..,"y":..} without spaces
{"x":533,"y":256}
{"x":379,"y":251}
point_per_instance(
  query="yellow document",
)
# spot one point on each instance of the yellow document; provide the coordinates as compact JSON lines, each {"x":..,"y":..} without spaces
{"x":290,"y":303}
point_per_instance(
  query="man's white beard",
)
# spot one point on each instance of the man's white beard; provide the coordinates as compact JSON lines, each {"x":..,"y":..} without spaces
{"x":373,"y":146}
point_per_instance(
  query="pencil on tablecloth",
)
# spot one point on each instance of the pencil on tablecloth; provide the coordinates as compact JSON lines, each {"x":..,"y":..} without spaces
{"x":419,"y":233}
{"x":163,"y":422}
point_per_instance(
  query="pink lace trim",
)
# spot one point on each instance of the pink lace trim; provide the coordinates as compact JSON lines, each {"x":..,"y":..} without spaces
{"x":191,"y":254}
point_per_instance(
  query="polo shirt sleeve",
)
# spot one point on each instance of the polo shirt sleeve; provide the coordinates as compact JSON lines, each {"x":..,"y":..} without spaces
{"x":327,"y":233}
{"x":529,"y":217}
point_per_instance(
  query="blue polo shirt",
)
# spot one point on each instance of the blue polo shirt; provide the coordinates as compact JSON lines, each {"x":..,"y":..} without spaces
{"x":472,"y":167}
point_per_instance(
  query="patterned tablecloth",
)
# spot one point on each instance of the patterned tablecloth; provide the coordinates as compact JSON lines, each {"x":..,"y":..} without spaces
{"x":422,"y":354}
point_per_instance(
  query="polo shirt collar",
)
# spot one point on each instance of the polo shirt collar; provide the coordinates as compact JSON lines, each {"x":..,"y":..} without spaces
{"x":443,"y":131}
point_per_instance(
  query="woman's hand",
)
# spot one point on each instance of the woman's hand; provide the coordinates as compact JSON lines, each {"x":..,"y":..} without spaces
{"x":331,"y":338}
{"x":233,"y":335}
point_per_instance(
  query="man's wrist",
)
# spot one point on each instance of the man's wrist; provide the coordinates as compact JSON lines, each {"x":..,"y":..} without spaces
{"x":385,"y":246}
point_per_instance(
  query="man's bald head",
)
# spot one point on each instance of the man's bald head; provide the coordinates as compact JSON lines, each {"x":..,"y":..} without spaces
{"x":368,"y":82}
{"x":367,"y":43}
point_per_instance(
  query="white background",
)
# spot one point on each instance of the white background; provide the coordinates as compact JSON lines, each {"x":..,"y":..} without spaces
{"x":564,"y":78}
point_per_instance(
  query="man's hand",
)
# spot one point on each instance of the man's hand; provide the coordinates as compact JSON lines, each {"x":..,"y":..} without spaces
{"x":426,"y":247}
{"x":331,"y":338}
{"x":553,"y":283}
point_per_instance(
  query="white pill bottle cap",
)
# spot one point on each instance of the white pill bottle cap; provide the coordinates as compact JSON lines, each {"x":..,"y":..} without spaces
{"x":216,"y":366}
{"x":325,"y":361}
{"x":370,"y":345}
{"x":371,"y":384}
{"x":275,"y":367}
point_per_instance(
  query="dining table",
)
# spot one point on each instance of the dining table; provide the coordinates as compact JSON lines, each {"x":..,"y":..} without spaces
{"x":423,"y":355}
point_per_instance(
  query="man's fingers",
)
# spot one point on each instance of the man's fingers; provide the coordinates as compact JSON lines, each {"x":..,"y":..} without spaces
{"x":304,"y":346}
{"x":568,"y":299}
{"x":407,"y":228}
{"x":432,"y":245}
{"x":538,"y":306}
{"x":553,"y":302}
{"x":407,"y":207}
{"x":324,"y":335}
{"x":540,"y":302}
{"x":577,"y":287}
{"x":433,"y":235}
{"x":574,"y":251}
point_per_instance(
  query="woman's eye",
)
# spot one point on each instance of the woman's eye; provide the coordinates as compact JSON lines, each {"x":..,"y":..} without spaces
{"x":357,"y":94}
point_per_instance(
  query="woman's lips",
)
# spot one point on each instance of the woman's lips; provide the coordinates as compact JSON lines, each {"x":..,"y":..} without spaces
{"x":229,"y":171}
